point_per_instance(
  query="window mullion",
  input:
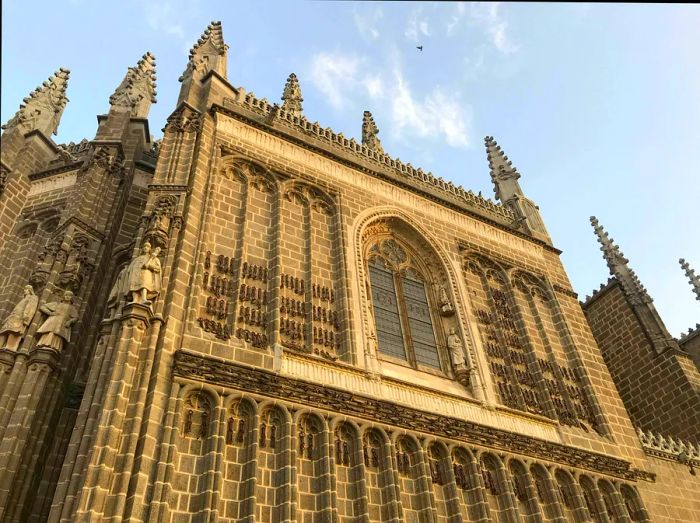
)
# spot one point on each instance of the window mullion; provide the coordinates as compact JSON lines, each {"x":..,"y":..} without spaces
{"x":406,"y":325}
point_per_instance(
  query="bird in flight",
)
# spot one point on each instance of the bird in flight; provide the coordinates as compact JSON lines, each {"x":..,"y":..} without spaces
{"x":419,"y":47}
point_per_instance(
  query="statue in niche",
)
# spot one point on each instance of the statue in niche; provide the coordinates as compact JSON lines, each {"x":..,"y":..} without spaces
{"x":446,"y":308}
{"x":144,"y":279}
{"x":454,"y":344}
{"x":55,"y":331}
{"x":16,"y":323}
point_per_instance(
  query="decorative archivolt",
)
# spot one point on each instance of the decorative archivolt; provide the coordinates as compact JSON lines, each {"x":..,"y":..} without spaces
{"x":530,"y":284}
{"x":308,"y":195}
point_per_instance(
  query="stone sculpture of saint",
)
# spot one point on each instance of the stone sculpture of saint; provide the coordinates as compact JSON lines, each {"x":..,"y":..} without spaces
{"x":454,"y":344}
{"x":144,"y":275}
{"x":55,"y":331}
{"x":15,"y":325}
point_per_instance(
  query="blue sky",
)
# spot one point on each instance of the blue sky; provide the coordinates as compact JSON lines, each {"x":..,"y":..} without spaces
{"x":597,"y":105}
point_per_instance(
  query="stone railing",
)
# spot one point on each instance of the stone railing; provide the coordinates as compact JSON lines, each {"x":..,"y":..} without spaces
{"x":669,"y":448}
{"x":276,"y":113}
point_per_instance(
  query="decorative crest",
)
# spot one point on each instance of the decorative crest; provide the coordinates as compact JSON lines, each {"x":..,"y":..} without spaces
{"x":618,"y":265}
{"x":138,"y":89}
{"x":370,"y":132}
{"x":291,"y":97}
{"x":43,"y":108}
{"x":208,"y":53}
{"x":692,"y":277}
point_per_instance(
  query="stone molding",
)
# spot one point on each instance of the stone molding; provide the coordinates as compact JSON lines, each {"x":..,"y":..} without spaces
{"x":654,"y":444}
{"x":228,"y":374}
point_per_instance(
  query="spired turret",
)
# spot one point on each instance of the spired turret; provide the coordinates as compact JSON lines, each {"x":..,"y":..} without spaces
{"x":370,"y":132}
{"x":505,"y":180}
{"x":692,"y":277}
{"x":634,"y":291}
{"x":43,"y":108}
{"x":137,"y":91}
{"x":291,"y":97}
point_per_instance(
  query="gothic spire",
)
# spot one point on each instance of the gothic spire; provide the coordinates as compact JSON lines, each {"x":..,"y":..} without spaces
{"x":503,"y":174}
{"x":370,"y":132}
{"x":619,"y":266}
{"x":138,"y":89}
{"x":291,"y":97}
{"x":208,"y":53}
{"x":42,"y":109}
{"x":692,"y":277}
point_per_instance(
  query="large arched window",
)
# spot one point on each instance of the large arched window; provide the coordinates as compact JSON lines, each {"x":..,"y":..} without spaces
{"x":401,"y":306}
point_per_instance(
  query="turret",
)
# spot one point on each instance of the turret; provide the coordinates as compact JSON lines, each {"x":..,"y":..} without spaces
{"x":42,"y":109}
{"x":291,"y":97}
{"x":370,"y":132}
{"x":634,"y":291}
{"x":208,"y":54}
{"x":505,"y":180}
{"x":692,"y":277}
{"x":137,"y":91}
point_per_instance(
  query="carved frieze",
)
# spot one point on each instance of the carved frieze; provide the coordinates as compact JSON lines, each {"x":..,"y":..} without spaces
{"x":258,"y":381}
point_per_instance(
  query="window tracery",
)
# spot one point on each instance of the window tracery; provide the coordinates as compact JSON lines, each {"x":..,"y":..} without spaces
{"x":402,"y":309}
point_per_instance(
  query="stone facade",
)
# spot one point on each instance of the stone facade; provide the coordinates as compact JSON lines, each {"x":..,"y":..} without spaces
{"x":326,"y":333}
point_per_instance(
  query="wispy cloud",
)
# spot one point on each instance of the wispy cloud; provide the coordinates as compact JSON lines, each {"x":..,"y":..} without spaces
{"x":490,"y":18}
{"x":348,"y":81}
{"x":439,"y":113}
{"x":367,"y":23}
{"x":455,"y":18}
{"x":335,"y":75}
{"x":417,"y":26}
{"x":169,"y":17}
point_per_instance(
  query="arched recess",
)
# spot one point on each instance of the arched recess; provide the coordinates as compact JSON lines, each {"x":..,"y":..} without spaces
{"x":235,"y":262}
{"x":573,"y":504}
{"x":616,"y":511}
{"x":313,"y":475}
{"x":525,"y":494}
{"x":593,"y":500}
{"x":444,"y":487}
{"x":311,"y":290}
{"x":497,"y":494}
{"x":195,"y":454}
{"x":556,"y":359}
{"x":239,"y":456}
{"x":407,"y":290}
{"x":545,"y":492}
{"x":467,"y":472}
{"x":350,"y":491}
{"x":381,"y":485}
{"x":412,"y":479}
{"x":274,"y":472}
{"x":633,"y":504}
{"x":509,"y":357}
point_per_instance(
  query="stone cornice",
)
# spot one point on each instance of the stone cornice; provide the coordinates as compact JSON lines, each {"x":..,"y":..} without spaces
{"x":258,"y":381}
{"x":55,"y":170}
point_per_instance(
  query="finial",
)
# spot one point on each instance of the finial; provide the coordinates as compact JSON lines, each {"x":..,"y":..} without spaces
{"x":43,"y":108}
{"x":138,"y":89}
{"x":370,"y":132}
{"x":692,"y":277}
{"x":618,"y":265}
{"x":291,"y":97}
{"x":208,"y":53}
{"x":503,"y":174}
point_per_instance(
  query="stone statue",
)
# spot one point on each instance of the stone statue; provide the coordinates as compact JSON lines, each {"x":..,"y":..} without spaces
{"x":446,"y":308}
{"x":119,"y":289}
{"x":144,"y":277}
{"x":454,"y":344}
{"x":16,"y":323}
{"x":55,"y":331}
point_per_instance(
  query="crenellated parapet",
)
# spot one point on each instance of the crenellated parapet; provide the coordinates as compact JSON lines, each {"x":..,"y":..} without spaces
{"x":272,"y":112}
{"x":668,"y":447}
